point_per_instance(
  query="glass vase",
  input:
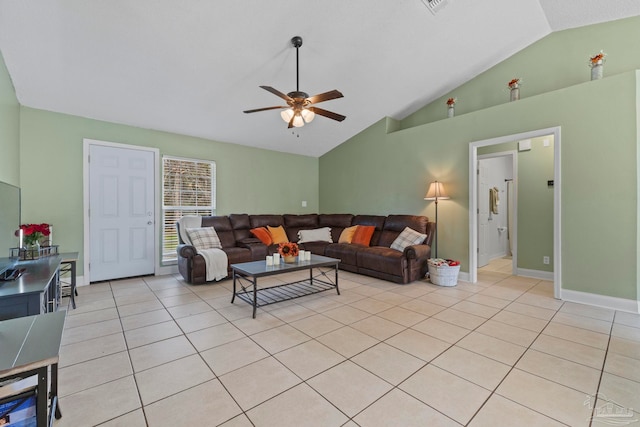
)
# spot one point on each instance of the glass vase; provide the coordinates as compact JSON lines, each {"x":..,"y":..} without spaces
{"x":514,"y":93}
{"x":597,"y":71}
{"x":451,"y":111}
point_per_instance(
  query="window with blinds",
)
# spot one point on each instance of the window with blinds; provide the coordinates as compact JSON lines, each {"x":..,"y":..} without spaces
{"x":188,"y":188}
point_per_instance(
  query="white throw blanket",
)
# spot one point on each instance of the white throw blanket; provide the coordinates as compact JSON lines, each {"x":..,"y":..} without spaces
{"x":216,"y":262}
{"x":188,"y":221}
{"x":215,"y":259}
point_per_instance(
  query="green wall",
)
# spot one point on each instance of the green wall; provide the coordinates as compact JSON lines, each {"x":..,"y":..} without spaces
{"x":381,"y":172}
{"x":386,"y":168}
{"x":552,"y":63}
{"x":535,"y":201}
{"x":9,"y":129}
{"x":249,"y":180}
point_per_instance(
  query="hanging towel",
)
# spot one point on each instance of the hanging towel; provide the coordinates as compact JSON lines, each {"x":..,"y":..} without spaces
{"x":494,"y":200}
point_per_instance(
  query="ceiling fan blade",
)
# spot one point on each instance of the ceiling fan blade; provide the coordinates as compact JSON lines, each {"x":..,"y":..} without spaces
{"x":265,"y":109}
{"x":332,"y":94}
{"x":276,"y":92}
{"x":329,"y":114}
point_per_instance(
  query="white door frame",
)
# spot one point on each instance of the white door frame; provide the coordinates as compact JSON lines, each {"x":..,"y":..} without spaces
{"x":86,"y":143}
{"x":513,"y":234}
{"x":473,"y":200}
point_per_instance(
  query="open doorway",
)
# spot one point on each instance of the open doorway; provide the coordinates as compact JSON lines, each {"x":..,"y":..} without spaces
{"x":497,"y":231}
{"x":551,"y":185}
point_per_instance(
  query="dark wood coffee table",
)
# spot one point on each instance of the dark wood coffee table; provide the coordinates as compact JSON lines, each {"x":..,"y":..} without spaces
{"x":246,"y":274}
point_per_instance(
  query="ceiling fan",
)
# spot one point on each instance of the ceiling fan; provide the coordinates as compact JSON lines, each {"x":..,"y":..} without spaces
{"x":300,"y":107}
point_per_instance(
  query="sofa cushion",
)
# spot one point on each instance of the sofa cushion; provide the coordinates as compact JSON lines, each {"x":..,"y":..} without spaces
{"x":278,"y":235}
{"x":408,"y":237}
{"x":223,"y":229}
{"x":347,"y":234}
{"x":204,"y":238}
{"x":262,"y":234}
{"x":362,"y":235}
{"x":384,"y":260}
{"x":345,"y":252}
{"x":337,"y":223}
{"x":239,"y":221}
{"x":241,"y":226}
{"x":265,"y":220}
{"x":308,"y":221}
{"x":375,"y":220}
{"x":317,"y":247}
{"x":238,"y":255}
{"x":316,"y":235}
{"x":394,"y":224}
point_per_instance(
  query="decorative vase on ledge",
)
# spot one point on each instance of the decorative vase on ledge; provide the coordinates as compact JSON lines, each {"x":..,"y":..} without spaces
{"x":514,"y":92}
{"x":451,"y":111}
{"x":597,"y":70}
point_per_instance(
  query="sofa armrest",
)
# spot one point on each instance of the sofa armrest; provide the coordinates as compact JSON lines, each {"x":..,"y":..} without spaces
{"x":419,"y":252}
{"x":186,"y":251}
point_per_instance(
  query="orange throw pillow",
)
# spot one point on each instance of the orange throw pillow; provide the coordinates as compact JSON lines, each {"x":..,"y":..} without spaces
{"x":363,"y":235}
{"x":278,"y":235}
{"x":347,"y":234}
{"x":262,"y":234}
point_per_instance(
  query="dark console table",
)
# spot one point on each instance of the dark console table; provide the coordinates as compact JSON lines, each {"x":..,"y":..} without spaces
{"x":36,"y":291}
{"x":30,"y":346}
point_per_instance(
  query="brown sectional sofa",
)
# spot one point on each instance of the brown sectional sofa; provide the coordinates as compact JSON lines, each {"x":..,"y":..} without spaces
{"x":376,"y":260}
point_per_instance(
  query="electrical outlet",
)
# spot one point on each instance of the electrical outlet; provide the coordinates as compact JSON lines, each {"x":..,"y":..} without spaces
{"x":545,"y":260}
{"x":304,"y":203}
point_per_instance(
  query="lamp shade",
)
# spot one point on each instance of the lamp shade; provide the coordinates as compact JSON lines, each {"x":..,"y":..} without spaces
{"x":286,"y":114}
{"x":436,"y":192}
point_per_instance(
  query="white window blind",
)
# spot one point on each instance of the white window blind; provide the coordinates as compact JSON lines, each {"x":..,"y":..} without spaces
{"x":188,"y":188}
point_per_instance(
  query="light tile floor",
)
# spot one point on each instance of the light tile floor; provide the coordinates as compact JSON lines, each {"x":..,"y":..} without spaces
{"x":154,"y":351}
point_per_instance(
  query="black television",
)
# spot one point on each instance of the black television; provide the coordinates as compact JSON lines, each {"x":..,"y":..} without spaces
{"x":9,"y":223}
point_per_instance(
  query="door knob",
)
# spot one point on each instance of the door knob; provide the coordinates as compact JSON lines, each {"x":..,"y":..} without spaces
{"x":150,"y":223}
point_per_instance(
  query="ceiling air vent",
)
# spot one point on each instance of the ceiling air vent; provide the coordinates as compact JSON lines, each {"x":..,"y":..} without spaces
{"x":435,"y":5}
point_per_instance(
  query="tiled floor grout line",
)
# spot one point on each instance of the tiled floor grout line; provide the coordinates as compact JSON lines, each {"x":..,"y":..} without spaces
{"x":604,"y":362}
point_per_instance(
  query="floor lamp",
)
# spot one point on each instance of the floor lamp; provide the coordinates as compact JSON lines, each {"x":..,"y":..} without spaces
{"x":436,"y":192}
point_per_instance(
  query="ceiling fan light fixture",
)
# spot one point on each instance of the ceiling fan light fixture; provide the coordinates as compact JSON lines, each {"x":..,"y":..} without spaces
{"x":298,"y":122}
{"x":307,"y":115}
{"x":300,"y":108}
{"x":286,"y":114}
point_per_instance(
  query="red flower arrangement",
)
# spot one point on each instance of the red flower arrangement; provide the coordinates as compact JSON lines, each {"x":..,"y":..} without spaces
{"x":288,"y":249}
{"x":513,"y":83}
{"x":452,"y":101}
{"x":32,"y":233}
{"x":597,"y":59}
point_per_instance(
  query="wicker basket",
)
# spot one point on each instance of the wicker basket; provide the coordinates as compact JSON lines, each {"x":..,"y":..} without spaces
{"x":443,"y":275}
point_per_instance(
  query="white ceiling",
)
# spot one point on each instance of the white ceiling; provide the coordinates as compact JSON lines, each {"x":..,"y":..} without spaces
{"x":192,"y":66}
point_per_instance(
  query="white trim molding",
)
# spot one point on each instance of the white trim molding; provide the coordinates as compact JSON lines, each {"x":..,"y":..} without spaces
{"x":604,"y":301}
{"x":557,"y":217}
{"x":536,"y":274}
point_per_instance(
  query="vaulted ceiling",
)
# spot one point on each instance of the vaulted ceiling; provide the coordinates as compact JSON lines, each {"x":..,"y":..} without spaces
{"x":192,"y":66}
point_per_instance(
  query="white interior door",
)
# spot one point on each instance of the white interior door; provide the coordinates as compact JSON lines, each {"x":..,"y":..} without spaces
{"x":121,"y":212}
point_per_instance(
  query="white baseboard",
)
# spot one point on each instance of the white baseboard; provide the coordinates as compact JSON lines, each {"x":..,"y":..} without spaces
{"x":465,"y":277}
{"x":169,"y":269}
{"x":536,"y":274}
{"x":614,"y":303}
